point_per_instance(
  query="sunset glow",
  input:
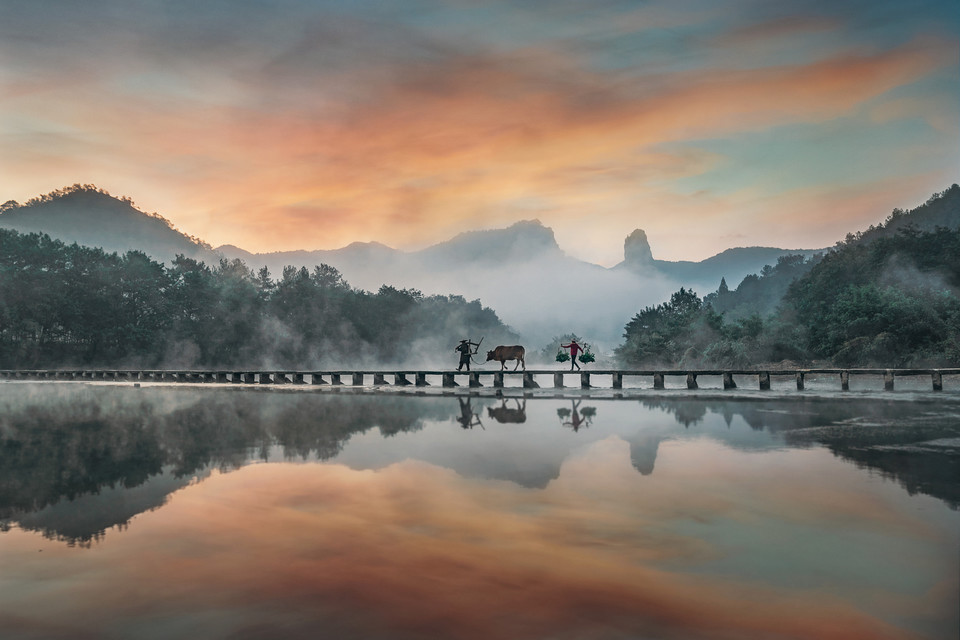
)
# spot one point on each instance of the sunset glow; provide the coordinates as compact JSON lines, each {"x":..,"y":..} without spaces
{"x":307,"y":125}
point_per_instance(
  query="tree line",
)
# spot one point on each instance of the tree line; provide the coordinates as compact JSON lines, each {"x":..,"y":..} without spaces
{"x":71,"y":305}
{"x":889,"y":299}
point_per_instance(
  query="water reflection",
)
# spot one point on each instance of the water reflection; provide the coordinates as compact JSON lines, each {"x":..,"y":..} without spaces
{"x":509,"y":415}
{"x":468,"y":419}
{"x":915,"y":443}
{"x":674,"y":518}
{"x":77,"y":461}
{"x":575,"y":420}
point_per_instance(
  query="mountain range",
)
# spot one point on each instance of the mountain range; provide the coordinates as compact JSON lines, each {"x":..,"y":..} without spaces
{"x":519,"y":271}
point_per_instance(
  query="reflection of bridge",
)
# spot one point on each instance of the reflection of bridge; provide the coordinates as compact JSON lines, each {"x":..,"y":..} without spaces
{"x":471,"y":378}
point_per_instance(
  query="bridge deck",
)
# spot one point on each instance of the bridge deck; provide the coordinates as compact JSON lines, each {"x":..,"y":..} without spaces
{"x":449,"y":377}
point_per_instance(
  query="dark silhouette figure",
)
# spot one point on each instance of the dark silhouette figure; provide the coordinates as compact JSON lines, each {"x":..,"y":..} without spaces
{"x":575,"y":348}
{"x":466,"y":349}
{"x":468,"y":419}
{"x":504,"y":414}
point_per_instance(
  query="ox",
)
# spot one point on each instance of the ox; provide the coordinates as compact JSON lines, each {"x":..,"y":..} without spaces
{"x":501,"y":354}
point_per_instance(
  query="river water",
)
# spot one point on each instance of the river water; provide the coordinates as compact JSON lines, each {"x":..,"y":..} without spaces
{"x":200,"y":512}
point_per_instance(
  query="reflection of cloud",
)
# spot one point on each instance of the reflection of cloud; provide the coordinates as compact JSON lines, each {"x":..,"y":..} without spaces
{"x":414,"y":550}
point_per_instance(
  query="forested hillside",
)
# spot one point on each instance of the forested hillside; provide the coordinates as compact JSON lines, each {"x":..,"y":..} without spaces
{"x":66,"y":305}
{"x":90,"y":216}
{"x":884,"y":297}
{"x":760,"y":294}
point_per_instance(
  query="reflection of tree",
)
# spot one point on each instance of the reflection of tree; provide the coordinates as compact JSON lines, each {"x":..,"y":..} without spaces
{"x":687,"y":413}
{"x":74,"y":445}
{"x":76,"y":460}
{"x":891,"y":436}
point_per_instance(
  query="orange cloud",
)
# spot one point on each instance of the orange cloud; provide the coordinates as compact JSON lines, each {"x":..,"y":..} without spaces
{"x":463,"y":144}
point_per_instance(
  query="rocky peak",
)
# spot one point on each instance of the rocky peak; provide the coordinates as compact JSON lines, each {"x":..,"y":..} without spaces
{"x":636,"y":249}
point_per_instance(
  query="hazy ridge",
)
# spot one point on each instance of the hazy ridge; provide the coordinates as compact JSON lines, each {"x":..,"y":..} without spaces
{"x":519,"y":271}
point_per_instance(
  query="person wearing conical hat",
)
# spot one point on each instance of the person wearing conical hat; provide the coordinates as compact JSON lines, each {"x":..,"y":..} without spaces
{"x":466,"y":350}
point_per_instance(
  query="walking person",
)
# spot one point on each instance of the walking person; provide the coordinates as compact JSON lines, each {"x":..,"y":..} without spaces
{"x":466,"y":350}
{"x":575,"y":348}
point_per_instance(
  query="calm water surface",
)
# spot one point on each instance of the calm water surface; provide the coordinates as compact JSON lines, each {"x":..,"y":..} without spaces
{"x":188,"y":512}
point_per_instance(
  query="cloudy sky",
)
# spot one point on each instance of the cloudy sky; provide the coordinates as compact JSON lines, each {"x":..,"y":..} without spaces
{"x":304,"y":124}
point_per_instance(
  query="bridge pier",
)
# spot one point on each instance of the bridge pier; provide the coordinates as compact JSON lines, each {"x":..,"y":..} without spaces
{"x":728,"y":381}
{"x":449,"y":379}
{"x":764,"y":379}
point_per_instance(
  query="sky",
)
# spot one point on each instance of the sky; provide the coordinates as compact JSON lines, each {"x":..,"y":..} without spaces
{"x":306,"y":124}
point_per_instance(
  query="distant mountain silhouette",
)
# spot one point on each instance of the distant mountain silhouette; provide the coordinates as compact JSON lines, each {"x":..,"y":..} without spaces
{"x":523,"y":273}
{"x":524,"y":241}
{"x":733,"y":264}
{"x":520,"y":270}
{"x":90,"y":216}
